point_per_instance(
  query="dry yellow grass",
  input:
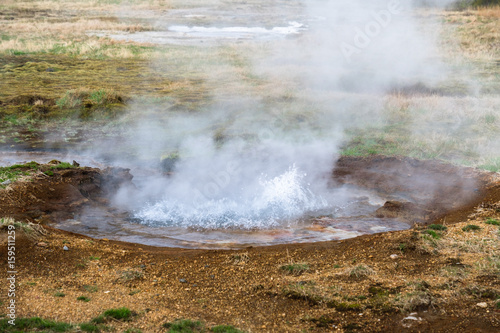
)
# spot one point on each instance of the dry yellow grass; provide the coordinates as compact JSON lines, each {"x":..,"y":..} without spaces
{"x":493,"y":11}
{"x":478,"y":32}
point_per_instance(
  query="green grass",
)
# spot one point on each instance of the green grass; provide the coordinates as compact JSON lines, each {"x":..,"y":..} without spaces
{"x":87,"y":327}
{"x":438,"y":227}
{"x":295,"y":268}
{"x":34,"y":324}
{"x":471,"y":227}
{"x":59,"y":294}
{"x":15,"y":171}
{"x":225,"y":329}
{"x":83,"y":299}
{"x":432,"y":233}
{"x":492,"y":222}
{"x":123,"y":314}
{"x":119,"y":313}
{"x":62,"y":165}
{"x":184,"y":326}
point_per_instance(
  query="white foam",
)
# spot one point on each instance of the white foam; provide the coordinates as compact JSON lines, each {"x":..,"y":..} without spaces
{"x":277,"y":202}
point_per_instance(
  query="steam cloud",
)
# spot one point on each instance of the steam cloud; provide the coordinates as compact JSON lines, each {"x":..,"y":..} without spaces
{"x":250,"y":163}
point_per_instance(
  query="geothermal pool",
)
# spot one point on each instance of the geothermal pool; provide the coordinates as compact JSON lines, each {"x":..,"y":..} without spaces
{"x":280,"y":210}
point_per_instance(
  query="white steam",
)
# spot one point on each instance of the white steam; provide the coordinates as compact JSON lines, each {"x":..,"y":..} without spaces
{"x":258,"y":158}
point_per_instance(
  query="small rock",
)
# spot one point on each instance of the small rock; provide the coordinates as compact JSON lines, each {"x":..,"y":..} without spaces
{"x":482,"y":305}
{"x":76,"y":164}
{"x":65,"y":248}
{"x":7,"y":182}
{"x":394,"y":256}
{"x":50,"y":70}
{"x":42,"y":244}
{"x":183,"y":280}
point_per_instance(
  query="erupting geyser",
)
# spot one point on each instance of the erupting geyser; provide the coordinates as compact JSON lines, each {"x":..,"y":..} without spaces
{"x":276,"y":202}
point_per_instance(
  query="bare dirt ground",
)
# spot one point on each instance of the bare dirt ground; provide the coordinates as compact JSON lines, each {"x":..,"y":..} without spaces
{"x":407,"y":281}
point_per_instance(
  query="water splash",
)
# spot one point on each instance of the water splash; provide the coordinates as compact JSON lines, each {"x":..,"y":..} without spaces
{"x":279,"y":201}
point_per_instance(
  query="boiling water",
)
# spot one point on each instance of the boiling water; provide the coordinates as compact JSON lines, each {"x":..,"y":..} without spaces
{"x":276,"y":202}
{"x":280,"y":210}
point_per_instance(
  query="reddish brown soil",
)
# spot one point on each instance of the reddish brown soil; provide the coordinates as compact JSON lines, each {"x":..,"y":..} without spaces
{"x":247,"y":288}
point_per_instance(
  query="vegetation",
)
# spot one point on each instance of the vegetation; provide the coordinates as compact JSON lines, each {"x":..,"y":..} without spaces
{"x":492,"y":222}
{"x":34,"y":324}
{"x":118,"y":314}
{"x":295,"y":268}
{"x":90,"y":289}
{"x":471,"y":227}
{"x":359,"y":271}
{"x":438,"y":227}
{"x":13,"y":172}
{"x":83,"y":299}
{"x":190,"y":326}
{"x":184,"y":326}
{"x":32,"y":230}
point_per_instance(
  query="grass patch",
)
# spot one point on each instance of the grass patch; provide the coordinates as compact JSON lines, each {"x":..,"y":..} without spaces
{"x":492,"y":222}
{"x":489,"y":265}
{"x":32,"y":230}
{"x":438,"y":227}
{"x":414,"y":301}
{"x":295,"y":268}
{"x":239,"y":258}
{"x":432,"y":233}
{"x":14,"y":172}
{"x":59,"y":294}
{"x":304,"y":291}
{"x":88,"y":327}
{"x":225,"y":329}
{"x":130,"y":275}
{"x":90,"y":289}
{"x":120,"y":314}
{"x":91,"y":103}
{"x":359,"y":271}
{"x":34,"y":324}
{"x":83,"y":299}
{"x":471,"y":227}
{"x":62,"y":165}
{"x":184,"y":326}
